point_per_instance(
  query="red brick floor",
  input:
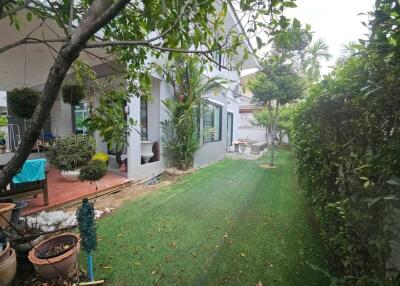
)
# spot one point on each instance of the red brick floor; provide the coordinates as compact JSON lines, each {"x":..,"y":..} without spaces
{"x":62,"y":192}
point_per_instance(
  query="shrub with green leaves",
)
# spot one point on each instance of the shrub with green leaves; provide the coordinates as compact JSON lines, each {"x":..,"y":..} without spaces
{"x":72,"y":153}
{"x":73,"y":94}
{"x":22,"y":102}
{"x":346,"y":137}
{"x":93,"y":171}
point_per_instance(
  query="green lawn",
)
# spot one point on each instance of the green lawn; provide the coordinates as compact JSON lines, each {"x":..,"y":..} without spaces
{"x":232,"y":223}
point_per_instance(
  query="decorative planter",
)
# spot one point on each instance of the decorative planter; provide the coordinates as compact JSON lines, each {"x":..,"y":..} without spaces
{"x":64,"y":263}
{"x":5,"y":252}
{"x":147,"y":151}
{"x":8,"y":268}
{"x":6,"y":210}
{"x":71,"y":176}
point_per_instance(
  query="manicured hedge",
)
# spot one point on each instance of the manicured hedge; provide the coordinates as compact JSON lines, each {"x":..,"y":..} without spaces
{"x":347,"y":144}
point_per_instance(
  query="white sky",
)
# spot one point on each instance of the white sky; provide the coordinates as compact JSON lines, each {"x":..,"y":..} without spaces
{"x":336,"y":21}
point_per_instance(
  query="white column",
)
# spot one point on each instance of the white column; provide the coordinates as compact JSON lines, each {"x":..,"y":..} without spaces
{"x":134,"y":147}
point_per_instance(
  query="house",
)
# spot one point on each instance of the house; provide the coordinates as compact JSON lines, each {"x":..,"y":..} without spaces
{"x":28,"y":65}
{"x":248,"y":127}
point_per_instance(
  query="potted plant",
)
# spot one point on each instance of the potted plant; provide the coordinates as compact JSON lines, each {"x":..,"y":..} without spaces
{"x":73,"y":93}
{"x":8,"y":266}
{"x":6,"y":211}
{"x":93,"y":171}
{"x":72,"y":153}
{"x":56,"y":256}
{"x":22,"y":102}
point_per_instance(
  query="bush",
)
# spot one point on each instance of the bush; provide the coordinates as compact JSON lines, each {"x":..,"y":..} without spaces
{"x":93,"y":171}
{"x":347,"y":148}
{"x":22,"y":102}
{"x":73,"y":93}
{"x":72,"y":153}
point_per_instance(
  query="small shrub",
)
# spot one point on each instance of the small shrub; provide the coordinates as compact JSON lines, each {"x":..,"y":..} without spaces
{"x":93,"y":171}
{"x":73,"y":93}
{"x":22,"y":102}
{"x":72,"y":153}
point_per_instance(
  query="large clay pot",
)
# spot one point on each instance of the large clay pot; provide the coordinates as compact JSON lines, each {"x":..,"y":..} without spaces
{"x":6,"y":210}
{"x":147,"y":151}
{"x":70,"y":176}
{"x":5,"y":252}
{"x":8,"y":268}
{"x":62,"y":264}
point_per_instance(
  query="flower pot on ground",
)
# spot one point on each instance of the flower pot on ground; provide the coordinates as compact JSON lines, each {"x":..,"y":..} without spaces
{"x":8,"y":267}
{"x":22,"y":102}
{"x":73,"y":93}
{"x":71,"y":153}
{"x":6,"y":211}
{"x":56,"y":256}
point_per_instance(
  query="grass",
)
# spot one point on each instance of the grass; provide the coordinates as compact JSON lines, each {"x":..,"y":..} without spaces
{"x":232,"y":223}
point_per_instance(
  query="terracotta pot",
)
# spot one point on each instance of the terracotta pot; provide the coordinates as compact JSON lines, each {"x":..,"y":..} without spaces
{"x":8,"y":268}
{"x":5,"y":253}
{"x":6,"y":210}
{"x":62,"y":264}
{"x":22,"y":250}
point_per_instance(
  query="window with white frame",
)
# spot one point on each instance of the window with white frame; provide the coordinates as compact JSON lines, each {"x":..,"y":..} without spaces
{"x":212,"y":122}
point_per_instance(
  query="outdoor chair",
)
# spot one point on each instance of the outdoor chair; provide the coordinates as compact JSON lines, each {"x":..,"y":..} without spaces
{"x":30,"y":181}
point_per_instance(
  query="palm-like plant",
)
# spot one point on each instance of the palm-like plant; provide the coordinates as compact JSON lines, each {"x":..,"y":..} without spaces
{"x":181,"y":132}
{"x":315,"y":54}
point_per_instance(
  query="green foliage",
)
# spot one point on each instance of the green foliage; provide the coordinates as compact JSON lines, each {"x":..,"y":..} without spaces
{"x":87,"y":225}
{"x":181,"y":132}
{"x":314,"y":55}
{"x":109,"y":119}
{"x":73,"y":93}
{"x":22,"y":102}
{"x":71,"y":153}
{"x":93,"y":171}
{"x":3,"y":120}
{"x":346,"y":139}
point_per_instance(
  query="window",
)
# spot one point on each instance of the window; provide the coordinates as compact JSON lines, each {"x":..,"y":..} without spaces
{"x":212,"y":122}
{"x":143,"y":119}
{"x":81,"y":112}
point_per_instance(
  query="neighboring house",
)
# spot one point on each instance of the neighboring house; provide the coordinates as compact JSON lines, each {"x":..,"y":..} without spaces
{"x":248,"y":128}
{"x":64,"y":120}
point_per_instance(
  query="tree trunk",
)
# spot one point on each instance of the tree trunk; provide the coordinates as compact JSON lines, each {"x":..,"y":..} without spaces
{"x":274,"y":125}
{"x":99,"y":14}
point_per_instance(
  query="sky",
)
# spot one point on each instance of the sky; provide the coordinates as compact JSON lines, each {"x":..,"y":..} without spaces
{"x":336,"y":21}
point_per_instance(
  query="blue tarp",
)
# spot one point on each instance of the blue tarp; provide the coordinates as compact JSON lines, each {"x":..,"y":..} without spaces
{"x":32,"y":170}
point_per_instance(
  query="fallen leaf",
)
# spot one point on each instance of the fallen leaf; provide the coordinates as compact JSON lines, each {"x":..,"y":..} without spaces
{"x":137,"y":263}
{"x":242,"y":254}
{"x":106,"y":267}
{"x":259,"y":283}
{"x":168,"y":259}
{"x":226,"y":236}
{"x":153,"y":272}
{"x":173,"y":244}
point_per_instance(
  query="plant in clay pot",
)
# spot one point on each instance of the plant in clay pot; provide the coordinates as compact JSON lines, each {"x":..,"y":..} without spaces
{"x":56,"y":256}
{"x":72,"y":153}
{"x":6,"y":211}
{"x":73,"y":93}
{"x":22,"y":102}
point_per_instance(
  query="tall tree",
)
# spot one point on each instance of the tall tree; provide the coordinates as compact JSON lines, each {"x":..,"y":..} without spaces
{"x":315,"y":54}
{"x":131,"y":30}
